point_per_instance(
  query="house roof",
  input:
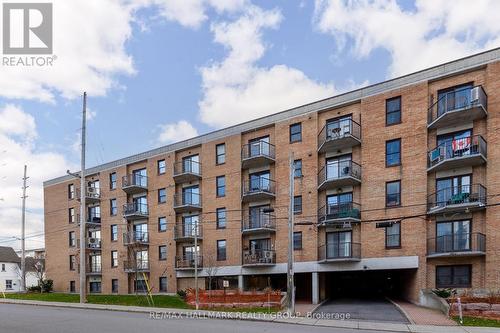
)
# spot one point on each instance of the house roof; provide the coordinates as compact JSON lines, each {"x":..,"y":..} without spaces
{"x":7,"y":254}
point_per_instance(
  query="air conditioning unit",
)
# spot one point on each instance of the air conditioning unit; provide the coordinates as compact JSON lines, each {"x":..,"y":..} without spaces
{"x":268,"y":254}
{"x":474,"y":95}
{"x":93,"y":242}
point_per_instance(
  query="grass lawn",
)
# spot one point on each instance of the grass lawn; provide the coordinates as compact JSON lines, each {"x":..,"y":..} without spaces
{"x":471,"y":321}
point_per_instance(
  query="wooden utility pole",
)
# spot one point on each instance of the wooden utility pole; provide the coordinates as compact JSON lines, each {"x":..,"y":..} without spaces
{"x":23,"y":232}
{"x":83,"y":192}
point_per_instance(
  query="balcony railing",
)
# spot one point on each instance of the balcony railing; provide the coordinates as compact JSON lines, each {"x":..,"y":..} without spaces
{"x":93,"y":268}
{"x":259,"y":257}
{"x":92,"y":194}
{"x":341,"y":251}
{"x":467,"y":151}
{"x":259,"y":188}
{"x":137,"y":265}
{"x":188,"y":231}
{"x":135,"y":237}
{"x":457,"y":244}
{"x":92,"y":243}
{"x":339,"y":134}
{"x":135,"y":210}
{"x":457,"y":198}
{"x":187,"y":170}
{"x":134,"y":183}
{"x":258,"y":222}
{"x":187,"y":201}
{"x":257,"y":153}
{"x":338,"y":174}
{"x":188,"y":262}
{"x":463,"y":105}
{"x":94,"y":218}
{"x":347,"y":211}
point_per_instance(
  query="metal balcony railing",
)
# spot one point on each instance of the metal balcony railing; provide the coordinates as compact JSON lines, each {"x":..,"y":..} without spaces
{"x":93,"y":268}
{"x":339,"y":251}
{"x":464,"y":195}
{"x":456,"y":243}
{"x":188,"y":261}
{"x":92,"y":243}
{"x":339,"y":170}
{"x":187,"y":166}
{"x":135,"y":237}
{"x":339,"y":211}
{"x":187,"y":199}
{"x":459,"y":148}
{"x":339,"y":129}
{"x":138,"y":265}
{"x":258,"y":149}
{"x":135,"y":180}
{"x":257,"y":221}
{"x":258,"y":185}
{"x":462,"y":99}
{"x":188,"y":231}
{"x":135,"y":208}
{"x":91,"y":193}
{"x":259,"y":257}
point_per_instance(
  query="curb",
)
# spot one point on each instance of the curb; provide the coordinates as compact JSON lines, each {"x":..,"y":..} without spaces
{"x":371,"y":326}
{"x":402,"y":311}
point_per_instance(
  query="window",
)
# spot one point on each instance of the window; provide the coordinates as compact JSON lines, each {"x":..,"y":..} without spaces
{"x":221,"y":218}
{"x":162,"y":252}
{"x":220,"y":154}
{"x":114,"y":258}
{"x":163,"y":283}
{"x":72,"y":286}
{"x":95,"y":287}
{"x":297,"y":240}
{"x":72,"y":262}
{"x":71,"y":191}
{"x":72,"y":239}
{"x":71,"y":215}
{"x":458,"y":276}
{"x":113,"y":209}
{"x":162,"y":195}
{"x":221,"y":186}
{"x":393,"y":193}
{"x":162,"y":167}
{"x":221,"y":249}
{"x":393,"y":111}
{"x":112,"y":181}
{"x":114,"y":233}
{"x":297,"y":164}
{"x":297,"y":204}
{"x":114,"y":285}
{"x":3,"y":267}
{"x":295,"y":132}
{"x":393,"y":152}
{"x":8,"y":284}
{"x":162,"y":224}
{"x":393,"y":236}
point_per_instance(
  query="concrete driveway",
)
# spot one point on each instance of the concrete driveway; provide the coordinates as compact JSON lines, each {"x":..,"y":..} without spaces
{"x":364,"y":309}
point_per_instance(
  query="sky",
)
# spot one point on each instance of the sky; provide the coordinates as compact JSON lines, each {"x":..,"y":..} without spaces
{"x":160,"y":71}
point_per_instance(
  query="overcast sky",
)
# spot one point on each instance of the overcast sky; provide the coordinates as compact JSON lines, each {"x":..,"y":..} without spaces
{"x":159,"y":71}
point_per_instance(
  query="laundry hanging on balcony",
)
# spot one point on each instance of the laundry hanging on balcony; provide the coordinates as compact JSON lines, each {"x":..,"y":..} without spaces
{"x":461,"y":144}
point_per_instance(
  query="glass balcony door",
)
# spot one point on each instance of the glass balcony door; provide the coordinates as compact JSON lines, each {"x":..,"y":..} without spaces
{"x":191,"y":164}
{"x":337,"y":128}
{"x":258,"y":245}
{"x":449,"y":188}
{"x":190,"y":225}
{"x":259,"y":146}
{"x":140,"y":231}
{"x":338,"y":244}
{"x":94,"y":212}
{"x":140,"y":177}
{"x":455,"y":144}
{"x":141,"y":204}
{"x":337,"y":202}
{"x":260,"y":181}
{"x":454,"y":98}
{"x":188,"y":252}
{"x":453,"y":236}
{"x":337,"y":167}
{"x":142,"y":260}
{"x":191,"y":195}
{"x":258,"y":218}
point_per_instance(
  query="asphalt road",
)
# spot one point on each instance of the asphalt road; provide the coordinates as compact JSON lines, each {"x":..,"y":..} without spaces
{"x":43,"y":319}
{"x":379,"y":310}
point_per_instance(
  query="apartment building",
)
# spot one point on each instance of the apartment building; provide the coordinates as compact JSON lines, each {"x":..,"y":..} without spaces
{"x":396,"y":191}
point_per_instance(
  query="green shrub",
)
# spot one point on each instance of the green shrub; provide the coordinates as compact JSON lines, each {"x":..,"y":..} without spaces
{"x":182,"y":294}
{"x":34,"y":289}
{"x":443,"y":293}
{"x":47,"y":285}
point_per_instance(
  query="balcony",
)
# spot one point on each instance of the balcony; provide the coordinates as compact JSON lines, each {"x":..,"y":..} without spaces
{"x":93,"y":244}
{"x":187,"y":171}
{"x":133,"y":184}
{"x":467,"y":151}
{"x":187,"y":202}
{"x":458,"y":107}
{"x":135,"y":211}
{"x":258,"y":223}
{"x":187,"y":262}
{"x":136,"y":266}
{"x":342,"y":214}
{"x":457,"y":245}
{"x":258,"y":189}
{"x":457,"y":199}
{"x":338,"y":174}
{"x":188,"y":232}
{"x":93,"y":269}
{"x":342,"y":251}
{"x":341,"y":134}
{"x":259,"y":257}
{"x":92,"y":195}
{"x":93,"y":220}
{"x":135,"y":238}
{"x":257,"y":154}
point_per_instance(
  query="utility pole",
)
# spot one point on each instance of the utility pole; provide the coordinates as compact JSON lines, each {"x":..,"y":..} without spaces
{"x":83,"y":192}
{"x":23,"y":231}
{"x":289,"y":271}
{"x":197,"y":299}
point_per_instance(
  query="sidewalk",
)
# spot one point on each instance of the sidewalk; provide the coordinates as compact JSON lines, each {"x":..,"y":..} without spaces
{"x":424,"y":316}
{"x":261,"y":317}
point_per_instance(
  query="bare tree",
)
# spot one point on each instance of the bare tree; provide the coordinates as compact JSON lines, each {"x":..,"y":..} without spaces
{"x":211,"y":269}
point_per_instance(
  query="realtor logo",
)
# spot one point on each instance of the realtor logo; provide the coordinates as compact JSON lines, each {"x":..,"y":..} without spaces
{"x":27,"y":28}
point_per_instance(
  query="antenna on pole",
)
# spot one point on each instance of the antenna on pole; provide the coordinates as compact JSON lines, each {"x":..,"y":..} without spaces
{"x":83,"y":257}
